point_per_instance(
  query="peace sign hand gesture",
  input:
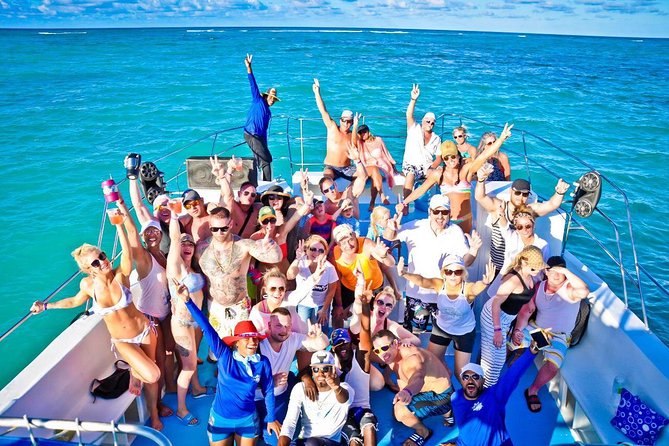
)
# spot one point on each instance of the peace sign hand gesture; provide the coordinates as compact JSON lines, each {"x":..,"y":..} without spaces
{"x":415,"y":92}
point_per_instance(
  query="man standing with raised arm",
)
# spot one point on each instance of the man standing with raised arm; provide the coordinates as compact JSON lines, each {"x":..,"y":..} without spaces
{"x":337,"y":162}
{"x":422,"y":145}
{"x":257,"y":123}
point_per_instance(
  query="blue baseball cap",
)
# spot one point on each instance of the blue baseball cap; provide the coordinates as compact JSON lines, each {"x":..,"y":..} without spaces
{"x":339,"y":336}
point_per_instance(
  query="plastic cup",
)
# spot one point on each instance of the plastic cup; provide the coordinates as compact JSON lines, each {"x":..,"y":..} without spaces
{"x":175,"y":205}
{"x":238,"y":163}
{"x":115,"y":217}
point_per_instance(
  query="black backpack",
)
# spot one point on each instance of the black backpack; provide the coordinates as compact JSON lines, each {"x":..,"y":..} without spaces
{"x":114,"y":385}
{"x":581,"y":322}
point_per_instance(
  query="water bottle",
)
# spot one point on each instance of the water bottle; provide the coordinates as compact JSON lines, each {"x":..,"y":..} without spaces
{"x":131,"y":164}
{"x":110,"y":190}
{"x":616,"y":391}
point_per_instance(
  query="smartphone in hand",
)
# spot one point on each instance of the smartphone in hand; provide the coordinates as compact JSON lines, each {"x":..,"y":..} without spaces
{"x":540,"y":338}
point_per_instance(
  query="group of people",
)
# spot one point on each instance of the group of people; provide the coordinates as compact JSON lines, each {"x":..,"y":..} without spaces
{"x":296,"y":304}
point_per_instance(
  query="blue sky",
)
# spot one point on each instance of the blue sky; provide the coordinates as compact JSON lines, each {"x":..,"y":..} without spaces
{"x":642,"y":18}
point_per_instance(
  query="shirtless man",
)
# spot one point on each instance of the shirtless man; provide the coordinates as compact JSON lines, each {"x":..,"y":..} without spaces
{"x":196,"y":220}
{"x":244,"y":210}
{"x":337,"y":162}
{"x":425,"y":389}
{"x":225,"y":261}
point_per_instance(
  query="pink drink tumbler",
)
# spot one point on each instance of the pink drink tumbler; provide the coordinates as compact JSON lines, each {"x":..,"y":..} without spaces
{"x":110,"y":190}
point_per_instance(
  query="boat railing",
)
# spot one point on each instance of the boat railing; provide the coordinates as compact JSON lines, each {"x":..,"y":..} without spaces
{"x":305,"y":138}
{"x":79,"y":427}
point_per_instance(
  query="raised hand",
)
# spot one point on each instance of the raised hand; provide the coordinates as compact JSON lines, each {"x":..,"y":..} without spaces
{"x":484,"y":172}
{"x":332,"y":381}
{"x":506,"y":133}
{"x":399,"y":207}
{"x":562,"y":187}
{"x":308,"y":197}
{"x":356,"y":119}
{"x":345,"y":202}
{"x":247,"y":61}
{"x":316,"y":87}
{"x":400,"y":266}
{"x":313,"y":330}
{"x":321,"y":264}
{"x":300,"y":252}
{"x":216,"y":168}
{"x":380,"y":250}
{"x":267,"y":243}
{"x":474,"y":240}
{"x":352,"y":152}
{"x":181,"y":289}
{"x":304,"y":179}
{"x":415,"y":92}
{"x":489,"y":275}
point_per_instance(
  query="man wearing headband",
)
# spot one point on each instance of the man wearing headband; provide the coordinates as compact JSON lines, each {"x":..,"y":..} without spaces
{"x":257,"y":123}
{"x":323,"y":419}
{"x":422,"y":145}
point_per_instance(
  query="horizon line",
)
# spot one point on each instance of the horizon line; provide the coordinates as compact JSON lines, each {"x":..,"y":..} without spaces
{"x":325,"y":28}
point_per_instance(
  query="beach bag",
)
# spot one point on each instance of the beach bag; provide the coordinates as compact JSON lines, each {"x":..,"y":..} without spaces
{"x":114,"y":385}
{"x":581,"y":322}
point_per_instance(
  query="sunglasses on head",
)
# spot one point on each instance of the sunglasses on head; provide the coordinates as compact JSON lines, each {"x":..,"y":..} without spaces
{"x":97,"y":262}
{"x":440,"y":212}
{"x":453,"y":272}
{"x":191,"y":204}
{"x":330,"y":189}
{"x":268,"y":221}
{"x":518,"y":193}
{"x":251,"y":194}
{"x":521,"y":227}
{"x":458,"y":136}
{"x":318,"y":250}
{"x":322,"y":369}
{"x":220,"y":228}
{"x":280,"y":289}
{"x":382,"y":349}
{"x":467,"y":376}
{"x":382,"y":303}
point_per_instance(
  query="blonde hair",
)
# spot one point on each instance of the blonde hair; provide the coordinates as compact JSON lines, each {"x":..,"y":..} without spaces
{"x":82,"y":252}
{"x":315,"y":238}
{"x":462,"y":128}
{"x":389,"y":291}
{"x":375,"y":217}
{"x":524,"y":211}
{"x":273,"y":273}
{"x":530,"y":254}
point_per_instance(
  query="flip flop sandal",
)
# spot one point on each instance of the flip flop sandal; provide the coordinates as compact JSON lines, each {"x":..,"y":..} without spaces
{"x":532,"y":400}
{"x":210,"y":391}
{"x":188,"y":419}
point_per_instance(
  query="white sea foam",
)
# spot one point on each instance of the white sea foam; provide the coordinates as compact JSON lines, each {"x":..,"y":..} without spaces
{"x":522,"y":35}
{"x":205,"y":31}
{"x":389,"y":32}
{"x":637,"y":40}
{"x":46,"y":33}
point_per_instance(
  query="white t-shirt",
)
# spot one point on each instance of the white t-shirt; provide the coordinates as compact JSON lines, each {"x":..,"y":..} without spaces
{"x":281,"y":360}
{"x":427,"y":251}
{"x":416,"y":152}
{"x":316,"y":297}
{"x":322,"y":419}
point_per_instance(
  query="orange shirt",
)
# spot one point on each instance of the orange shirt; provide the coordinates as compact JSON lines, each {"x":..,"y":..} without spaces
{"x":369,"y":266}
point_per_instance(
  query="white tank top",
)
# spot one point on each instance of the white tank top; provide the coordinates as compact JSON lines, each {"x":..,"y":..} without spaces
{"x":152,"y":295}
{"x":455,"y":316}
{"x":359,"y":381}
{"x":555,"y":311}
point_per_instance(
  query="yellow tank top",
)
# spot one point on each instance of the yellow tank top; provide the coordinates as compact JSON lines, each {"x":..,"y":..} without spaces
{"x":369,"y":266}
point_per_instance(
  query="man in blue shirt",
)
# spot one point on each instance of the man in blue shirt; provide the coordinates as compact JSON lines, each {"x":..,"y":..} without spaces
{"x":480,"y":412}
{"x":257,"y":123}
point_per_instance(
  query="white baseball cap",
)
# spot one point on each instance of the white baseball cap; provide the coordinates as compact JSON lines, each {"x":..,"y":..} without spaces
{"x":472,"y":367}
{"x":440,"y":201}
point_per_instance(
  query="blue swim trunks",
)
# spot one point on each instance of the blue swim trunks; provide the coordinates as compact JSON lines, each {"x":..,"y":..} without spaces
{"x":429,"y":404}
{"x":220,"y":428}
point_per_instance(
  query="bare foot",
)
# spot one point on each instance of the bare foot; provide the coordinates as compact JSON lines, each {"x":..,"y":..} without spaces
{"x":135,"y":386}
{"x":164,"y":411}
{"x":156,"y":423}
{"x":385,"y":199}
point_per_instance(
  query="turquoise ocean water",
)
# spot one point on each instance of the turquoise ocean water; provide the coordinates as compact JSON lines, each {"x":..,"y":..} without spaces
{"x":72,"y":104}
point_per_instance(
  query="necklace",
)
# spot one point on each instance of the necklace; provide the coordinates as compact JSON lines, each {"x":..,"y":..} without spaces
{"x":215,"y":256}
{"x":320,"y":403}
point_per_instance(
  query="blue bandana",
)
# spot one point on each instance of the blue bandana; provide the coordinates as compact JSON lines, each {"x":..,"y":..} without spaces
{"x":246,"y":361}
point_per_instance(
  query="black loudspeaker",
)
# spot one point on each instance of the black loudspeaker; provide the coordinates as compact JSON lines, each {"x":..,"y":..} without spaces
{"x":587,"y":194}
{"x":152,"y":180}
{"x":198,"y":169}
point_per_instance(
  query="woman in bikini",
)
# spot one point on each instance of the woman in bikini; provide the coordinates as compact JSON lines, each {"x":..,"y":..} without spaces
{"x":455,"y":320}
{"x":179,"y":268}
{"x":133,"y":336}
{"x":375,"y":157}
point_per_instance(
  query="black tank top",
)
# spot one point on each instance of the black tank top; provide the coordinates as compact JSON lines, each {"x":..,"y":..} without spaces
{"x":515,"y":301}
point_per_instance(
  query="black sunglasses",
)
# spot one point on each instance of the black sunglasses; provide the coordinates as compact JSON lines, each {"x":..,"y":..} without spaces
{"x":467,"y":377}
{"x":318,"y":250}
{"x":521,"y":227}
{"x":274,"y":197}
{"x":381,"y":303}
{"x":518,"y":193}
{"x":440,"y":212}
{"x":451,"y":272}
{"x":219,"y":228}
{"x":97,"y":262}
{"x":458,"y":136}
{"x":269,"y":220}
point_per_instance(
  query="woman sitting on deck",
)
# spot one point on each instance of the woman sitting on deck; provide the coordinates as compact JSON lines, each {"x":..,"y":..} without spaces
{"x":133,"y":336}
